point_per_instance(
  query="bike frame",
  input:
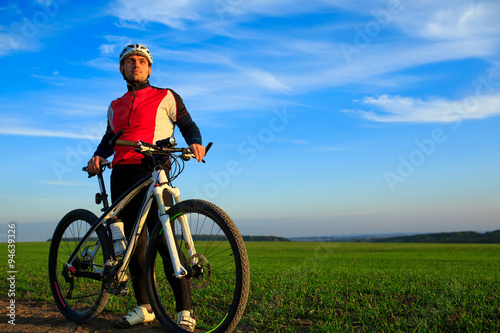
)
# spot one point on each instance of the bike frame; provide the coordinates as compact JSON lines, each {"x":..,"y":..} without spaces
{"x":156,"y":184}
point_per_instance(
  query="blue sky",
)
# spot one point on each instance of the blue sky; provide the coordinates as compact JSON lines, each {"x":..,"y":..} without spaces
{"x":331,"y":118}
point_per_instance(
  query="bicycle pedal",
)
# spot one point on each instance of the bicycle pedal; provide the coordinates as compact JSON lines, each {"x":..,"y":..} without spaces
{"x":121,"y":289}
{"x":124,"y":291}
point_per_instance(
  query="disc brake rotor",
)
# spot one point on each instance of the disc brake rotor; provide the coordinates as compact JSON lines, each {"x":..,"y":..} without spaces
{"x":200,"y":271}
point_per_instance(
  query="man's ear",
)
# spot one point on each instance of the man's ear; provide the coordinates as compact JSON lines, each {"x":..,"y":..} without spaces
{"x":121,"y":69}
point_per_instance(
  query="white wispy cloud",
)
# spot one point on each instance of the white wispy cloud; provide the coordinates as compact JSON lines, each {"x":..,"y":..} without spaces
{"x":435,"y":110}
{"x":63,"y":183}
{"x":426,"y":18}
{"x":35,"y":132}
{"x":458,"y":19}
{"x":63,"y":122}
{"x":375,"y":61}
{"x":104,"y":64}
{"x":326,"y":149}
{"x":27,"y":26}
{"x":170,"y":13}
{"x":308,"y":57}
{"x":13,"y":43}
{"x":114,"y":44}
{"x":316,"y":60}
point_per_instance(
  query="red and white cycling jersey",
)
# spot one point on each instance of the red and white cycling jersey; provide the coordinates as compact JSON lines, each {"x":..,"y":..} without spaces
{"x":148,"y":114}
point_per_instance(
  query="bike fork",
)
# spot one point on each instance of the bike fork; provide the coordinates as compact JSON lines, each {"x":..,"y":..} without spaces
{"x":179,"y":270}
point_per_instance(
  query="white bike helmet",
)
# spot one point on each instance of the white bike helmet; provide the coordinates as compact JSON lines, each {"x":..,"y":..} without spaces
{"x":136,"y":49}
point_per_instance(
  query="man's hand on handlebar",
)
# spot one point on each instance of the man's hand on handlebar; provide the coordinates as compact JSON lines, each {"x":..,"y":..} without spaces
{"x":198,"y":151}
{"x":94,"y":164}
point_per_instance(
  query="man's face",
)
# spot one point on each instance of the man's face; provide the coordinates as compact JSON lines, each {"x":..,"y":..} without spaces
{"x":135,"y":68}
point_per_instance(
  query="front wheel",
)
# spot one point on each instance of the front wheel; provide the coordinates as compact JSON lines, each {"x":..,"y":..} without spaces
{"x":79,"y":294}
{"x":218,"y":281}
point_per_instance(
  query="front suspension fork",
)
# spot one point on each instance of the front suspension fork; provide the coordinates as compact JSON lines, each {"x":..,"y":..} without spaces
{"x":179,"y":270}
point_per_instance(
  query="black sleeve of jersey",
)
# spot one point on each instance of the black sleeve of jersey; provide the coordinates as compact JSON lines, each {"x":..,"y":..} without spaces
{"x":187,"y":126}
{"x":105,"y":149}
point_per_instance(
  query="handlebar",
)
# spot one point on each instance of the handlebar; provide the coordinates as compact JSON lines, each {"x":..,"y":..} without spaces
{"x":112,"y":141}
{"x":165,"y":146}
{"x":162,"y":147}
{"x":103,"y":165}
{"x":126,"y":143}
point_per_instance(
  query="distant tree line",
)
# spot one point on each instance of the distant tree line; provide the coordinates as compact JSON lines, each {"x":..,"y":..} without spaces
{"x":245,"y":238}
{"x":265,"y":239}
{"x":444,"y":237}
{"x":206,"y":238}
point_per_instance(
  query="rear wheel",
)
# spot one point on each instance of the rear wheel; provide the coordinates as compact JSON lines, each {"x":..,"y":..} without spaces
{"x":79,"y":294}
{"x":218,"y":274}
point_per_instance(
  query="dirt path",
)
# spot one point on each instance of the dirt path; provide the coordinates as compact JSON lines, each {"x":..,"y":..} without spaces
{"x":32,"y":316}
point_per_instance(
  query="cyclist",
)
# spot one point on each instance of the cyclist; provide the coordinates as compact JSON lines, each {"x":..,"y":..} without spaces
{"x":148,"y":114}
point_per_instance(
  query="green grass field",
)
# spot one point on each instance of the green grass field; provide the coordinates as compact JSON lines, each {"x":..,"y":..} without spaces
{"x":341,"y":287}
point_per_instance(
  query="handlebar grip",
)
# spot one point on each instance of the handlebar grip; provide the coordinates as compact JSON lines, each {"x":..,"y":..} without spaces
{"x":126,"y":143}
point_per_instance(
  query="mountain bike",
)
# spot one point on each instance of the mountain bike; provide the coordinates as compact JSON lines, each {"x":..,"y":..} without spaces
{"x":196,"y":238}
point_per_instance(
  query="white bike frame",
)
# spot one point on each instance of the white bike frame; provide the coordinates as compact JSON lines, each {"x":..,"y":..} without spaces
{"x":155,"y":190}
{"x":158,"y":183}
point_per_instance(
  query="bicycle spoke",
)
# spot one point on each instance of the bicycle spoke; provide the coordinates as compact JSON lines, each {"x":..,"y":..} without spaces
{"x":79,"y":295}
{"x":219,"y":280}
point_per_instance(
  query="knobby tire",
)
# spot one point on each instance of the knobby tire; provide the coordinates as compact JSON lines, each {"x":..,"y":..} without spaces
{"x":220,"y":294}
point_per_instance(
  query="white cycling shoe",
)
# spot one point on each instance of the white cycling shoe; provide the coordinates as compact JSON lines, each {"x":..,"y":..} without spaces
{"x":186,"y":321}
{"x":139,"y":315}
